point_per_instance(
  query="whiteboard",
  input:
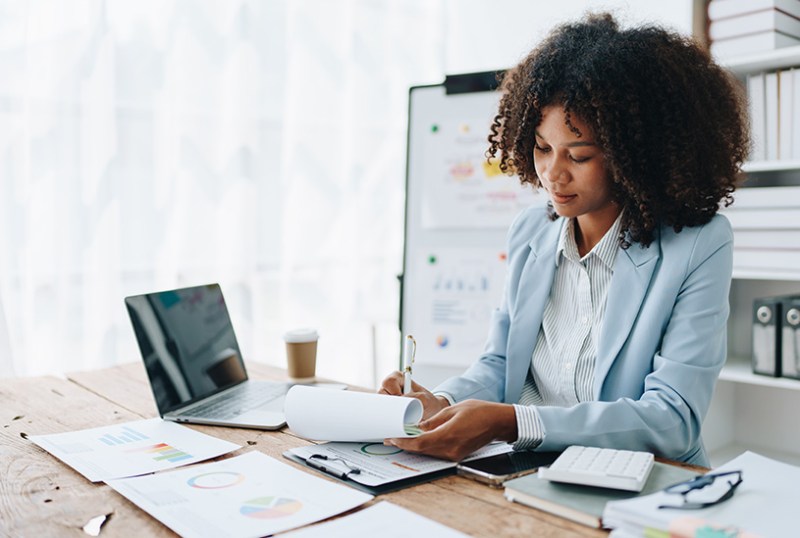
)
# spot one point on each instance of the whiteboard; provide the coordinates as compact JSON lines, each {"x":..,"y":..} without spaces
{"x":458,"y":209}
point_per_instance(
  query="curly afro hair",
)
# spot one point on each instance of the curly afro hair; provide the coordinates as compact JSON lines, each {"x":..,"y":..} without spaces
{"x":672,"y":124}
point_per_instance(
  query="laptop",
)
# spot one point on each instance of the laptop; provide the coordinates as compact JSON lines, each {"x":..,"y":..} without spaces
{"x":193,"y":361}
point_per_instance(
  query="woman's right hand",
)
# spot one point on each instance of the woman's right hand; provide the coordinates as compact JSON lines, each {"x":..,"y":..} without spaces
{"x":393,"y":385}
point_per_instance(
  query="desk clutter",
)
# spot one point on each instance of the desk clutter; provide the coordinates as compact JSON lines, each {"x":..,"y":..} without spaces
{"x":762,"y":504}
{"x":244,"y":496}
{"x":776,"y":336}
{"x":253,"y":494}
{"x":581,"y":503}
{"x":751,"y":496}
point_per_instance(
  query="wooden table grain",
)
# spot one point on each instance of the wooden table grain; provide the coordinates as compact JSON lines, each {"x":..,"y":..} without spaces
{"x":40,"y":496}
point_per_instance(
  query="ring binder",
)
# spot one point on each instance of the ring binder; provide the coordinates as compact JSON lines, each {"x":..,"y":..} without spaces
{"x":351,"y":469}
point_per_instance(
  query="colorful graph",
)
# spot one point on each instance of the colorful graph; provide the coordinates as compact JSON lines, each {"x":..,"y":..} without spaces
{"x":163,"y":452}
{"x":216,"y":480}
{"x":492,"y":168}
{"x":462,"y":170}
{"x":270,"y":507}
{"x":124,"y":436}
{"x":478,"y":282}
{"x":379,"y":449}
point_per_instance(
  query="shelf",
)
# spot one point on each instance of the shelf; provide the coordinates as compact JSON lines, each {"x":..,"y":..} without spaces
{"x":764,"y":61}
{"x":738,"y":370}
{"x":771,"y":166}
{"x":766,"y":274}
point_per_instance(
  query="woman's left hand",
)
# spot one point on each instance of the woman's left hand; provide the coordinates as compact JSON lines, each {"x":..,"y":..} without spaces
{"x":458,"y":430}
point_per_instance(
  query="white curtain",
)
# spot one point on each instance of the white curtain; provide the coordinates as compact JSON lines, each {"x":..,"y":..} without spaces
{"x":152,"y":144}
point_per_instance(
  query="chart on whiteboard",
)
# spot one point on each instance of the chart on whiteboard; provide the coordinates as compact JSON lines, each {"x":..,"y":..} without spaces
{"x":457,"y":290}
{"x":464,"y":190}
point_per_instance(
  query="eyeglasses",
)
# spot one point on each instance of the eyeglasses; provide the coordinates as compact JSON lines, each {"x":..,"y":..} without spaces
{"x":716,"y":491}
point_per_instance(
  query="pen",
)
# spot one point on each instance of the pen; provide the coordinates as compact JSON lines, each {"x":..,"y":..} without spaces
{"x":328,"y":470}
{"x":311,"y":461}
{"x":409,"y":350}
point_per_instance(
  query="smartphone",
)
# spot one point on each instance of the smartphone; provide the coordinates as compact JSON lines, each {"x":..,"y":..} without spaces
{"x":494,"y":470}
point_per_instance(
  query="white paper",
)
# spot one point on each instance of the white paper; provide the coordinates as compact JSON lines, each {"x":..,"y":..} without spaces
{"x":249,"y":495}
{"x":333,"y":415}
{"x":132,"y":448}
{"x":764,"y":504}
{"x":384,"y":520}
{"x":379,"y":464}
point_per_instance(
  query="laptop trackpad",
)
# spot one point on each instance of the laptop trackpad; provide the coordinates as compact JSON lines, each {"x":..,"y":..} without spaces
{"x":262,"y":417}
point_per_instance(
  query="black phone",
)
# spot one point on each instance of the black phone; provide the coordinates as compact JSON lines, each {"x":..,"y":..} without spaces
{"x":494,"y":470}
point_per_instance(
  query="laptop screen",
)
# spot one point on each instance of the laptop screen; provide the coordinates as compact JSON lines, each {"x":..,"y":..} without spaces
{"x":187,"y":343}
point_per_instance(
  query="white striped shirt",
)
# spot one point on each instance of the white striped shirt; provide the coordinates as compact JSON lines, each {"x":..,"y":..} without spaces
{"x":563,"y":361}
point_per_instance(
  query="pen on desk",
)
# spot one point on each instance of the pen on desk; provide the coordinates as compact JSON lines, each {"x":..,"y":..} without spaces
{"x":327,"y":469}
{"x":311,"y":461}
{"x":409,"y":350}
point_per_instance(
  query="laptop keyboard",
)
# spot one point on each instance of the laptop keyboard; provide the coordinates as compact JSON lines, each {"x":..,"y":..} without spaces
{"x":250,"y":396}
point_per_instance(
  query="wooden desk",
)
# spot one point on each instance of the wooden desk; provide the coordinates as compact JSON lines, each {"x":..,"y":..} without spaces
{"x":40,"y":496}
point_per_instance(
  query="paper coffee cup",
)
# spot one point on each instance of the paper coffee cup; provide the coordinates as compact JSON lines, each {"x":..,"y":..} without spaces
{"x":301,"y":354}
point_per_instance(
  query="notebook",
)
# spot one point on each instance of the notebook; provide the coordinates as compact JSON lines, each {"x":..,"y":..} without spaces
{"x":585,"y":504}
{"x":193,"y":362}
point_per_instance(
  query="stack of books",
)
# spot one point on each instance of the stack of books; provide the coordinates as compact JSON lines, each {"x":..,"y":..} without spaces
{"x":585,"y":504}
{"x":741,"y":27}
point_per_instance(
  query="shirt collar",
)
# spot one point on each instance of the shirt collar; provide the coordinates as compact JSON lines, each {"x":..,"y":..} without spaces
{"x":606,"y":249}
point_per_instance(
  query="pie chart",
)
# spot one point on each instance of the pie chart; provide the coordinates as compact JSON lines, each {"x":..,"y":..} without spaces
{"x":379,"y":449}
{"x":215,"y":480}
{"x":270,"y":507}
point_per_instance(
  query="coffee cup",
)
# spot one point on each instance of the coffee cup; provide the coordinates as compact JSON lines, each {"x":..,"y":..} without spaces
{"x":301,"y":354}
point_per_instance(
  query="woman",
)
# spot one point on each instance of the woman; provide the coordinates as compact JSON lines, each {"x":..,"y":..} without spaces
{"x":612,"y":329}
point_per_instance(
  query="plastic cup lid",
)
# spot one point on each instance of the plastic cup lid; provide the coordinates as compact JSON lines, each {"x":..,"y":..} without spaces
{"x":298,"y":336}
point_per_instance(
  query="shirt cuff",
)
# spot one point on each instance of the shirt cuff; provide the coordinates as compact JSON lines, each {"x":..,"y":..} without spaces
{"x":446,"y":396}
{"x":530,"y":430}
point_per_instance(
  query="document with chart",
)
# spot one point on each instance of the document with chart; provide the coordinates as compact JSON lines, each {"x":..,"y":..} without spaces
{"x":375,"y":464}
{"x":249,"y":495}
{"x":132,"y":448}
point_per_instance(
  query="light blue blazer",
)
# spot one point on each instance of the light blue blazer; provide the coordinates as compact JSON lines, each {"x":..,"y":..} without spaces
{"x":659,"y":352}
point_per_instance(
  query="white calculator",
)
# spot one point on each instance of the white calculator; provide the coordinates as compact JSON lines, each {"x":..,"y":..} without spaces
{"x":601,"y":467}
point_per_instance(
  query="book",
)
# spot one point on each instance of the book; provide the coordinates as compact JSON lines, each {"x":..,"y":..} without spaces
{"x":766,"y":259}
{"x":765,"y":219}
{"x":764,"y":504}
{"x":772,"y":117}
{"x":785,"y":114}
{"x":721,"y":9}
{"x":725,"y":49}
{"x":758,"y":115}
{"x":585,"y":504}
{"x":760,"y":21}
{"x":765,"y":240}
{"x":795,"y":118}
